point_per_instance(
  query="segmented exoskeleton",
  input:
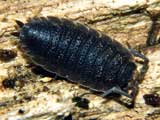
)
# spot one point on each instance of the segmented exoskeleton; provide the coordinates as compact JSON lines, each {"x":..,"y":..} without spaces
{"x":80,"y":54}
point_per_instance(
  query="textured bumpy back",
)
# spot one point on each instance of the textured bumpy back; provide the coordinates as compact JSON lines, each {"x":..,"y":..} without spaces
{"x":78,"y":53}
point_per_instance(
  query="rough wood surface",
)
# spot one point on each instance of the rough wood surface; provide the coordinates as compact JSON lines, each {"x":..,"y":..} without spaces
{"x":31,"y":96}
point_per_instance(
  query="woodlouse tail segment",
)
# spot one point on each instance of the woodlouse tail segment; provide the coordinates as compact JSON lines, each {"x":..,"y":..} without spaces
{"x":16,"y":34}
{"x":19,"y":23}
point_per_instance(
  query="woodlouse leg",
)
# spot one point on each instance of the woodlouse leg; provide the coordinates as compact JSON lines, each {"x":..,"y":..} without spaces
{"x":116,"y":90}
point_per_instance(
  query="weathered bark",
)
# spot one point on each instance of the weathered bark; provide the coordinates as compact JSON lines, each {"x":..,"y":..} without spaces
{"x":44,"y":98}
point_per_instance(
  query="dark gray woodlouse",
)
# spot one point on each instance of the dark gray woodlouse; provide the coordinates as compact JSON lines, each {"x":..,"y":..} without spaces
{"x":82,"y":55}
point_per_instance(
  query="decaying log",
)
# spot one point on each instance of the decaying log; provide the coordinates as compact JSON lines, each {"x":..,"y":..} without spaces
{"x":27,"y":92}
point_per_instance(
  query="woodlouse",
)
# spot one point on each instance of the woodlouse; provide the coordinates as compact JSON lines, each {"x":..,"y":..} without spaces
{"x":82,"y":55}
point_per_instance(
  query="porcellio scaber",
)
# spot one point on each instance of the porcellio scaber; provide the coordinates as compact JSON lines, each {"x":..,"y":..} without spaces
{"x":80,"y":54}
